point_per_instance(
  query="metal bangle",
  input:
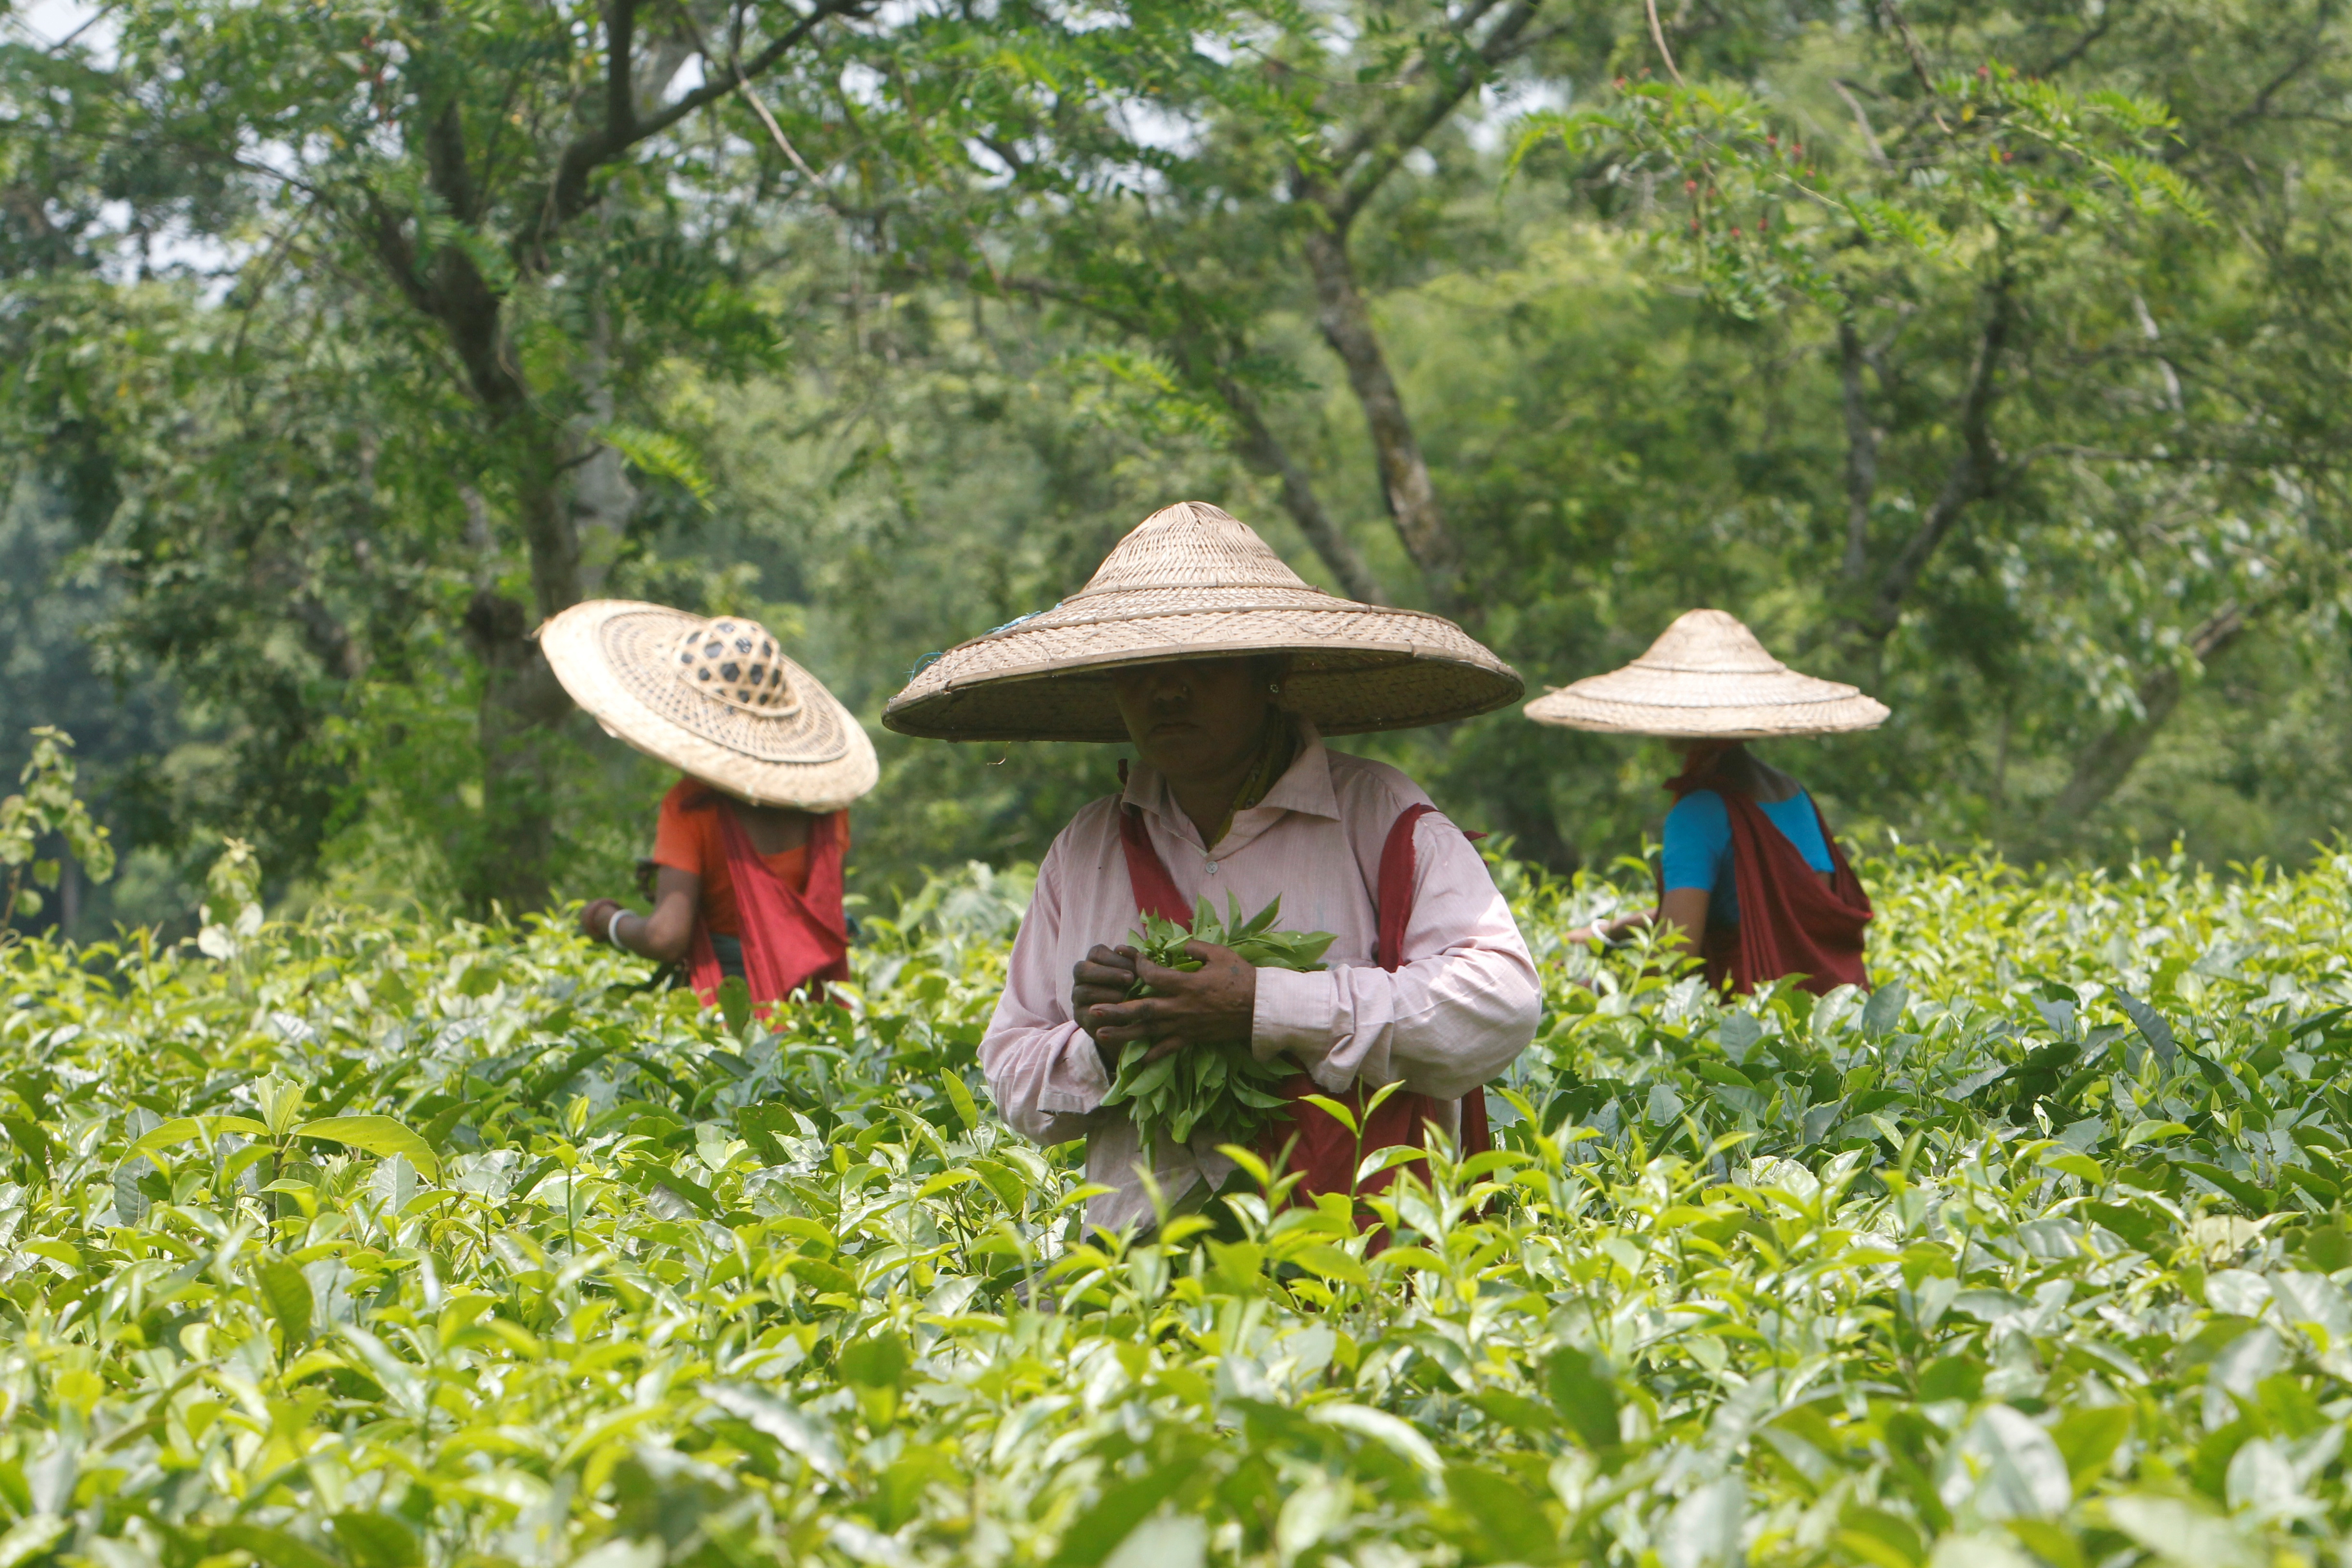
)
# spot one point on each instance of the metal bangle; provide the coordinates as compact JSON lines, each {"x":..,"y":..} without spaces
{"x":613,"y":928}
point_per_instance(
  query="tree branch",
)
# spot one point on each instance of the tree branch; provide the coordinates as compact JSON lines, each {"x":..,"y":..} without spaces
{"x":1860,"y":454}
{"x":445,"y":163}
{"x":389,"y":239}
{"x":590,"y":151}
{"x":2081,"y":46}
{"x":1975,"y":471}
{"x":620,"y":70}
{"x":1253,"y":440}
{"x":1347,"y":323}
{"x":1366,"y":160}
{"x":1869,"y":137}
{"x":1892,"y":14}
{"x":1256,"y":445}
{"x":2100,"y":767}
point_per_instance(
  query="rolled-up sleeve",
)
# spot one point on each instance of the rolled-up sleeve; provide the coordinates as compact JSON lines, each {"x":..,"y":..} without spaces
{"x":1043,"y":1071}
{"x":1450,"y":1019}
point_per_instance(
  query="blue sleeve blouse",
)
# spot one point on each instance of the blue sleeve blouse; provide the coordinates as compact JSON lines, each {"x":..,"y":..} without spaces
{"x":1697,"y":850}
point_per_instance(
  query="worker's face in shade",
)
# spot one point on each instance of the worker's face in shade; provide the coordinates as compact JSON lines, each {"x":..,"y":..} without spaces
{"x":1198,"y":720}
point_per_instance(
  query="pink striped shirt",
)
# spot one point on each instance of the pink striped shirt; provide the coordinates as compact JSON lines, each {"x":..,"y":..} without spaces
{"x":1461,"y":1007}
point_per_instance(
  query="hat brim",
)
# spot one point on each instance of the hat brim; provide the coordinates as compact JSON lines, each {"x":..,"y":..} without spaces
{"x":820,"y":760}
{"x":1351,"y":670}
{"x":1843,"y":712}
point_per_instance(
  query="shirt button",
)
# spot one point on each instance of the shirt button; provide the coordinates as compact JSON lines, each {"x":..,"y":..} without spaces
{"x":1212,"y":868}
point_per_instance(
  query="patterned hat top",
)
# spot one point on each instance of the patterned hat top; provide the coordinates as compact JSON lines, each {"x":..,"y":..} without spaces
{"x":715,"y":699}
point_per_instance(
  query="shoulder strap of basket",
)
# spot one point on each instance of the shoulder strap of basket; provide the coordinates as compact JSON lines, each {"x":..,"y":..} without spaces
{"x":1400,"y":871}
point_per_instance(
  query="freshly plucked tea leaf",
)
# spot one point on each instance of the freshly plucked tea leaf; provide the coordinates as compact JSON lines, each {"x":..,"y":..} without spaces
{"x":1219,"y":1089}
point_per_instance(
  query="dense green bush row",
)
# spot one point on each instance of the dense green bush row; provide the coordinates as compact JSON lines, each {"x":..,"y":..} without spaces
{"x":362,"y":1245}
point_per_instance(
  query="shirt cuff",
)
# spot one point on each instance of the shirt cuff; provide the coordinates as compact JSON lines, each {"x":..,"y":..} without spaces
{"x":1294,"y":1014}
{"x":1076,"y":1083}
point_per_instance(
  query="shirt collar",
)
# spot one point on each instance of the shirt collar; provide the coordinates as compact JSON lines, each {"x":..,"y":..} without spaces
{"x":1304,"y":788}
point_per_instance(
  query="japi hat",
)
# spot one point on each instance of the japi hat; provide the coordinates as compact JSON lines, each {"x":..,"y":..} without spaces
{"x":1708,"y":679}
{"x":715,"y":699}
{"x":1193,"y":582}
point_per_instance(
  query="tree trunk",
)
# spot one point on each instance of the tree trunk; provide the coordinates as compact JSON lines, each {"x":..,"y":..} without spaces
{"x":521,"y":705}
{"x":1257,"y":445}
{"x":1347,"y":323}
{"x":2100,"y":767}
{"x":599,"y":496}
{"x":1975,"y":474}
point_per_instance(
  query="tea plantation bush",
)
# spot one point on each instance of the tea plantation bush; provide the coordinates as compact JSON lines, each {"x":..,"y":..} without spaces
{"x":367,"y":1243}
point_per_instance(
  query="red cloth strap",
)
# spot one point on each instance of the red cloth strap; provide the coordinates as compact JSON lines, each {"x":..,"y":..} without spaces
{"x":791,"y":940}
{"x":1155,"y":890}
{"x":1790,"y":923}
{"x":1320,"y":1146}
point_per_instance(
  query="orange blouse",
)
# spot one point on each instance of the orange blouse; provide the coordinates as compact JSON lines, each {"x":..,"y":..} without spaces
{"x":687,"y":838}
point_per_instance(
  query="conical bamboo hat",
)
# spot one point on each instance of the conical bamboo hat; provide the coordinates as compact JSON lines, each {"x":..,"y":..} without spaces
{"x":714,"y":698}
{"x":1708,"y":678}
{"x":1193,"y":582}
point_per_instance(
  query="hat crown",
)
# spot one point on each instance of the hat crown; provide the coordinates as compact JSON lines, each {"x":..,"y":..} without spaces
{"x":1192,"y":545}
{"x":733,"y":660}
{"x":1710,"y":642}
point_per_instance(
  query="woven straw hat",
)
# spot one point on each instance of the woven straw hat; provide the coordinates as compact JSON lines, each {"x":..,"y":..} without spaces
{"x":1707,"y":679}
{"x":1191,"y":582}
{"x":715,"y":699}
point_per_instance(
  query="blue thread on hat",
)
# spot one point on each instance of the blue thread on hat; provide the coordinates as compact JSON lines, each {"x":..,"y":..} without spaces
{"x":1021,"y":620}
{"x":929,"y":659}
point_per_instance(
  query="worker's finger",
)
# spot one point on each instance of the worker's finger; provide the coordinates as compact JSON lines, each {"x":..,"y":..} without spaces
{"x":1160,"y":978}
{"x":1096,"y":977}
{"x":1132,"y":1015}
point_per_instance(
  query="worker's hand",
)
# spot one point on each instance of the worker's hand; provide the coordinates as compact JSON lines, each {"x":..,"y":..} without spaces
{"x":1103,"y":976}
{"x":1611,"y":932}
{"x":597,"y":920}
{"x":1215,"y":1003}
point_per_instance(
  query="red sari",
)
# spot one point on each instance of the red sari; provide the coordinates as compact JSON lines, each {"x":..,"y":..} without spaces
{"x":792,"y":941}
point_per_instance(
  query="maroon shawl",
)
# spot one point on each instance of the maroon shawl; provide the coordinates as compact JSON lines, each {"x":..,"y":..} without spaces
{"x":1789,"y":922}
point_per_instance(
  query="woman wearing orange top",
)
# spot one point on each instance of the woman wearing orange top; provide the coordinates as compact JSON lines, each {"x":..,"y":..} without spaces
{"x":748,"y":848}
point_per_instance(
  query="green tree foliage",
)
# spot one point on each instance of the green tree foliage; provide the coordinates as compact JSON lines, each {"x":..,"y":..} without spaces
{"x":2002,"y":372}
{"x":453,"y":245}
{"x":2023,"y":242}
{"x":48,"y":811}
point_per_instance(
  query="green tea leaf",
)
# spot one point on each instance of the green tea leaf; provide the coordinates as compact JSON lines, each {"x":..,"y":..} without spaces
{"x":1583,"y":1389}
{"x":966,"y":1110}
{"x":735,"y":1005}
{"x":285,"y":1297}
{"x":273,"y":1547}
{"x":371,"y":1539}
{"x":383,"y":1135}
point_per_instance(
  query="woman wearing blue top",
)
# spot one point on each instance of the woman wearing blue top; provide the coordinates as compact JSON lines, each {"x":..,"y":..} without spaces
{"x":1751,"y":880}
